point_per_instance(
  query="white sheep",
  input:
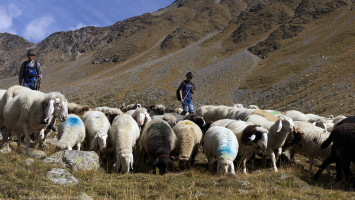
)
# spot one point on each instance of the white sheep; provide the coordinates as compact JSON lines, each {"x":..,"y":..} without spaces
{"x":141,"y":116}
{"x":214,"y":113}
{"x":109,"y":110}
{"x":123,"y":136}
{"x":71,"y":133}
{"x":312,"y":138}
{"x":158,"y":140}
{"x":277,"y":137}
{"x":259,"y":120}
{"x":250,"y":137}
{"x":189,"y":136}
{"x":97,"y":127}
{"x":23,"y":113}
{"x":221,"y":143}
{"x":74,"y":108}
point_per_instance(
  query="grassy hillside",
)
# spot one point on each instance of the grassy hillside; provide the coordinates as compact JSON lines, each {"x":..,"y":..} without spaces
{"x":19,"y":181}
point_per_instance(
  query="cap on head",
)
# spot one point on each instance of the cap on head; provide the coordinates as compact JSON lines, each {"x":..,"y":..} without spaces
{"x":189,"y":74}
{"x":31,"y":52}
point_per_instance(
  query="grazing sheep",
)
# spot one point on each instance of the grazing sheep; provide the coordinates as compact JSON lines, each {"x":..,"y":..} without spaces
{"x":126,"y":108}
{"x":97,"y":127}
{"x":342,"y":150}
{"x":158,"y":109}
{"x":74,"y":108}
{"x":71,"y":133}
{"x":214,"y":113}
{"x":197,"y":120}
{"x":312,"y":138}
{"x":259,"y":120}
{"x":221,"y":143}
{"x":141,"y":116}
{"x":123,"y":136}
{"x":23,"y":113}
{"x":109,"y":111}
{"x":277,"y":137}
{"x":250,"y":137}
{"x":267,"y":115}
{"x":189,"y":137}
{"x":157,"y":141}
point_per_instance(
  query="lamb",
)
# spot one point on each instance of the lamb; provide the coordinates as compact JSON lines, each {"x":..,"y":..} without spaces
{"x":221,"y":143}
{"x":97,"y":127}
{"x":141,"y":116}
{"x":123,"y":136}
{"x":342,"y":150}
{"x":278,"y":133}
{"x":250,"y":137}
{"x":71,"y":133}
{"x":157,"y":141}
{"x":189,"y":137}
{"x":23,"y":113}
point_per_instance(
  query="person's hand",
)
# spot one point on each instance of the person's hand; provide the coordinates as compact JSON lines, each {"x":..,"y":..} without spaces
{"x":182,"y":101}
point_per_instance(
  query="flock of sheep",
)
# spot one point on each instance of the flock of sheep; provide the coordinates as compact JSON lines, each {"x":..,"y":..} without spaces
{"x":229,"y":134}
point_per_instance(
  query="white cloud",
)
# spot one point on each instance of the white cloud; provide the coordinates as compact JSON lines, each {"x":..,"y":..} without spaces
{"x":38,"y":29}
{"x":7,"y":14}
{"x":78,"y":26}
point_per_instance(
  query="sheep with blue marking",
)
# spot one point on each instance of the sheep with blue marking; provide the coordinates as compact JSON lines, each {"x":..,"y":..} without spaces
{"x":250,"y":137}
{"x":189,"y":137}
{"x":123,"y":136}
{"x":71,"y":133}
{"x":97,"y":127}
{"x":221,"y":143}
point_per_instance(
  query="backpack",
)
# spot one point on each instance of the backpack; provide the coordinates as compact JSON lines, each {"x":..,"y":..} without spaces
{"x":178,"y":94}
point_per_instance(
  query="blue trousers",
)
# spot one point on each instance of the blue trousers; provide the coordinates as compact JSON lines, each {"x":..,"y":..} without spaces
{"x":187,"y":107}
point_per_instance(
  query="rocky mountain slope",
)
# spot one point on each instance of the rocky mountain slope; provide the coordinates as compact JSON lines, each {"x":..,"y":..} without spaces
{"x":278,"y":54}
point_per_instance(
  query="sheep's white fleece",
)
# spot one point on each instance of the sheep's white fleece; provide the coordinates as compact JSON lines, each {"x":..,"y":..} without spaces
{"x":97,"y":128}
{"x":71,"y":133}
{"x":123,"y":136}
{"x":221,"y":143}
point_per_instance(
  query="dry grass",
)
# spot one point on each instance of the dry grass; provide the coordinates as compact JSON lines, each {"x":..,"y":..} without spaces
{"x":19,"y":181}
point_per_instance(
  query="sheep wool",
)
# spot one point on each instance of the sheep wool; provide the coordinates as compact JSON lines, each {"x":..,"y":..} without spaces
{"x":71,"y":133}
{"x":97,"y":127}
{"x":123,"y":136}
{"x":189,"y":137}
{"x":221,"y":143}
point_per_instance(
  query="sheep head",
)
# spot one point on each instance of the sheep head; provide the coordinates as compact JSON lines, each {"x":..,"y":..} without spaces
{"x":223,"y":166}
{"x":100,"y":141}
{"x":162,"y":162}
{"x":255,"y":134}
{"x":56,"y":105}
{"x":285,"y":123}
{"x":126,"y":161}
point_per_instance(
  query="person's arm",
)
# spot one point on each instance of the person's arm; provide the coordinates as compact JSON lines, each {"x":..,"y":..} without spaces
{"x":192,"y":88}
{"x":180,"y":91}
{"x":21,"y":74}
{"x":39,"y":75}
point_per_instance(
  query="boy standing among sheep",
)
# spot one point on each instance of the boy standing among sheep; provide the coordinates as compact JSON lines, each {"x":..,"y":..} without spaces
{"x":186,"y":90}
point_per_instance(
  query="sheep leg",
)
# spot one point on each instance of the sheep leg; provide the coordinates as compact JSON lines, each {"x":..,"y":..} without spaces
{"x":210,"y":163}
{"x":331,"y":159}
{"x":246,"y":158}
{"x":339,"y":171}
{"x":27,"y":139}
{"x":78,"y":146}
{"x":273,"y":159}
{"x":346,"y":170}
{"x":232,"y":167}
{"x":311,"y":160}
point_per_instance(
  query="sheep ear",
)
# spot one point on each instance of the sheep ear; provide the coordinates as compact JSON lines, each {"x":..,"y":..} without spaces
{"x":155,"y":162}
{"x":147,"y":117}
{"x":49,"y":109}
{"x":279,"y":125}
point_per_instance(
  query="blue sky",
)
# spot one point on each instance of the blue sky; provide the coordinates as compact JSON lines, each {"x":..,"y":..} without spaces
{"x":35,"y":20}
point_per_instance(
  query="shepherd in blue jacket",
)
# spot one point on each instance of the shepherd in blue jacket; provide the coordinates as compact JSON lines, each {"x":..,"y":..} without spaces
{"x":30,"y":72}
{"x":186,"y":90}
